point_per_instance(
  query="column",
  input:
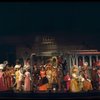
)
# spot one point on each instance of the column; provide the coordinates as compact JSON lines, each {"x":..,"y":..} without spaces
{"x":73,"y":60}
{"x":70,"y":65}
{"x":90,"y":60}
{"x":83,"y":57}
{"x":70,"y":61}
{"x":96,"y":57}
{"x":76,"y":60}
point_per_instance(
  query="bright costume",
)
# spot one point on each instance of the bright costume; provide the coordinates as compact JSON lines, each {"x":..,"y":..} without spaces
{"x":49,"y":77}
{"x":67,"y":79}
{"x":74,"y":85}
{"x":27,"y":82}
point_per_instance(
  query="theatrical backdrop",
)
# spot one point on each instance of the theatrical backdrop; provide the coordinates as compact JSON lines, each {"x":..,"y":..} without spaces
{"x":49,"y":50}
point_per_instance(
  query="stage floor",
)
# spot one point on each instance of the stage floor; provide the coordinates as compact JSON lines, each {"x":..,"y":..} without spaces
{"x":44,"y":95}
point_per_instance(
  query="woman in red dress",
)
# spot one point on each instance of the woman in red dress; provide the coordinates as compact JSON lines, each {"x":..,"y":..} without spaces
{"x":67,"y":79}
{"x":2,"y":83}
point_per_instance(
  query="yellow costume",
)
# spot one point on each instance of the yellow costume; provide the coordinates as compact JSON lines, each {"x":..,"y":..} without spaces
{"x":74,"y":86}
{"x":54,"y":75}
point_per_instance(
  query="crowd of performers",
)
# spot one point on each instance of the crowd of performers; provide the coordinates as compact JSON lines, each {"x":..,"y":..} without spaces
{"x":49,"y":77}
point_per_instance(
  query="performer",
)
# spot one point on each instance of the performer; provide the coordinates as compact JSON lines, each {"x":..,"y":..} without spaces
{"x":87,"y":85}
{"x":67,"y":79}
{"x":2,"y":83}
{"x":74,"y":86}
{"x":42,"y":72}
{"x":81,"y":80}
{"x":12,"y":76}
{"x":27,"y":81}
{"x":49,"y":76}
{"x":8,"y":78}
{"x":80,"y":62}
{"x":85,"y":69}
{"x":43,"y":86}
{"x":54,"y":79}
{"x":18,"y":75}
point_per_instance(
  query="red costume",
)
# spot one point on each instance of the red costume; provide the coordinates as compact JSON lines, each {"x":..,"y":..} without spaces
{"x":67,"y":80}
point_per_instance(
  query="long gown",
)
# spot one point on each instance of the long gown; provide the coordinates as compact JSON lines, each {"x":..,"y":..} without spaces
{"x":2,"y":85}
{"x":5,"y":80}
{"x":67,"y":80}
{"x":74,"y":86}
{"x":19,"y":76}
{"x":27,"y":82}
{"x":87,"y":83}
{"x":49,"y":76}
{"x":8,"y":78}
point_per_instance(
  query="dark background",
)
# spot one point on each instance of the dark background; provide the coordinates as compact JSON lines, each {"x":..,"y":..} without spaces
{"x":75,"y":22}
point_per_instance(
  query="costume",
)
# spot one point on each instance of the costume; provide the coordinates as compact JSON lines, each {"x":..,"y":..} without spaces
{"x":67,"y":79}
{"x":55,"y":80}
{"x":27,"y":82}
{"x":5,"y":79}
{"x":74,"y":86}
{"x":9,"y":80}
{"x":42,"y":73}
{"x":12,"y":77}
{"x":2,"y":83}
{"x":49,"y":77}
{"x":87,"y":85}
{"x":43,"y":86}
{"x":18,"y":76}
{"x":80,"y":81}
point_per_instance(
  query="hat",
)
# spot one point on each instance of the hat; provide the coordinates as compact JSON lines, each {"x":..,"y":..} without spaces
{"x":1,"y":66}
{"x":17,"y":66}
{"x":85,"y":63}
{"x":75,"y":67}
